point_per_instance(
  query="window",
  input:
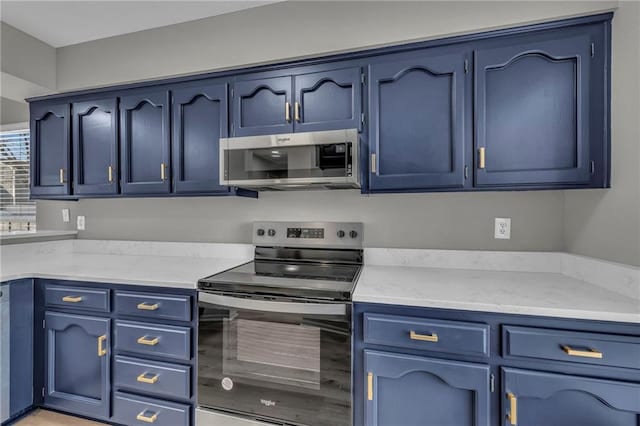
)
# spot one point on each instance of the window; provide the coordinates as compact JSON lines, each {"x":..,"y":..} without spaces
{"x":17,"y":212}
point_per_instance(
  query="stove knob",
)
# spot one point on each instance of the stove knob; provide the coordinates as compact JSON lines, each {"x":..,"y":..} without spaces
{"x":272,"y":232}
{"x":353,"y":234}
{"x":341,"y":234}
{"x":260,"y":232}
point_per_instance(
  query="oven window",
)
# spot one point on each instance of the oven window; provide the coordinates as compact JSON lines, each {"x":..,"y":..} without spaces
{"x":311,"y":161}
{"x":279,"y":353}
{"x":275,"y":365}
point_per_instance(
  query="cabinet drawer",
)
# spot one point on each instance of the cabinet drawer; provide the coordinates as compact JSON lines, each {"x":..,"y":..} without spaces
{"x":152,"y":377}
{"x":136,"y":410}
{"x":151,"y":305}
{"x":456,"y":337}
{"x":93,"y":299}
{"x":572,"y":346}
{"x":153,"y":339}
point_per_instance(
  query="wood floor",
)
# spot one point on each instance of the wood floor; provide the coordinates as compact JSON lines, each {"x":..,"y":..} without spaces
{"x":49,"y":418}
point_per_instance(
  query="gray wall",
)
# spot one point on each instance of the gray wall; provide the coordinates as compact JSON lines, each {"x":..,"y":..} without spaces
{"x":606,"y":224}
{"x":27,"y":68}
{"x":13,"y":111}
{"x":448,"y":221}
{"x":290,"y":29}
{"x":573,"y":220}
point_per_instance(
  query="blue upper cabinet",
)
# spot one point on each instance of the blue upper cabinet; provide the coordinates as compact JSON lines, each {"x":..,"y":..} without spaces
{"x":415,"y":391}
{"x":533,"y":398}
{"x":539,"y":110}
{"x":328,"y":100}
{"x":305,"y":102}
{"x":419,"y":107}
{"x":145,"y":139}
{"x":77,"y":369}
{"x":95,"y":147}
{"x":50,"y":150}
{"x":262,"y":107}
{"x":200,"y":119}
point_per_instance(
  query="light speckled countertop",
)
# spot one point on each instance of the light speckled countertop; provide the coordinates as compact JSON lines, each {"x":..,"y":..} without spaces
{"x":140,"y":263}
{"x":544,"y":284}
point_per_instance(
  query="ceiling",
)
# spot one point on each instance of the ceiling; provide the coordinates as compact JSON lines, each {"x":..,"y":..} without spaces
{"x":61,"y":23}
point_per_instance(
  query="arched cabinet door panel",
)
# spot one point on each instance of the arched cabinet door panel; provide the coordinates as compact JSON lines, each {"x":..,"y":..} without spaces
{"x":416,"y":391}
{"x":328,"y":100}
{"x":262,"y":107}
{"x":77,"y":364}
{"x":536,"y":105}
{"x":50,"y":150}
{"x":145,"y":143}
{"x":539,"y":398}
{"x":199,"y":121}
{"x":419,"y":117}
{"x":95,"y":147}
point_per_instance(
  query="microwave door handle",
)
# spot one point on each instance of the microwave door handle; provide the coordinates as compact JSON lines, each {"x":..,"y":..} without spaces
{"x":332,"y":309}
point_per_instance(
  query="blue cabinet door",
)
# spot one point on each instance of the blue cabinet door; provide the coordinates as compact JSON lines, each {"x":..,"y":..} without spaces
{"x":532,"y":112}
{"x":533,"y":398}
{"x":262,"y":107}
{"x":419,"y":110}
{"x":95,"y":147}
{"x":50,"y":150}
{"x":199,"y":121}
{"x":328,"y":100}
{"x":405,"y":390}
{"x":78,"y":377}
{"x":145,"y":139}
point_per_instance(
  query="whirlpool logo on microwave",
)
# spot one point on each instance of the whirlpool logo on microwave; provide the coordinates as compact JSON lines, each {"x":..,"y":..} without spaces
{"x":267,"y":403}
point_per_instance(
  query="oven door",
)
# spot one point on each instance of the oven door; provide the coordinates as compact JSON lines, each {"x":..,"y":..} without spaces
{"x":274,"y":359}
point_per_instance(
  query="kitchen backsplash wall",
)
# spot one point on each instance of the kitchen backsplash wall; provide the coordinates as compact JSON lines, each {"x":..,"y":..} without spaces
{"x":446,"y":221}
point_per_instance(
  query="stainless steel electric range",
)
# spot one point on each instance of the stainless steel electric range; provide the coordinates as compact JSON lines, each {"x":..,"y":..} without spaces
{"x":274,"y":337}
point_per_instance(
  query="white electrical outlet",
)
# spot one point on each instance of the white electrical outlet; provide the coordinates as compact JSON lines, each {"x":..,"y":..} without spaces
{"x":80,"y":223}
{"x":65,"y":215}
{"x":503,"y":228}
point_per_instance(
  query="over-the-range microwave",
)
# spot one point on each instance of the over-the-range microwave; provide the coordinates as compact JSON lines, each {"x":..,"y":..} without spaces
{"x":327,"y":159}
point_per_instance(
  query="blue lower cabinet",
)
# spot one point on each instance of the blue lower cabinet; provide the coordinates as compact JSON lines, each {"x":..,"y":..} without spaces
{"x":406,"y":390}
{"x":77,"y":364}
{"x":153,"y":339}
{"x":533,"y":398}
{"x":135,"y":410}
{"x":152,"y":377}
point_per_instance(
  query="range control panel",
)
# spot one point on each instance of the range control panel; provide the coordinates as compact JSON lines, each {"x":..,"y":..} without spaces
{"x":308,"y":234}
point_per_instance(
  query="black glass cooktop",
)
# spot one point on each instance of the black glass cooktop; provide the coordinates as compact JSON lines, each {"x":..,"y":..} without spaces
{"x":294,"y":279}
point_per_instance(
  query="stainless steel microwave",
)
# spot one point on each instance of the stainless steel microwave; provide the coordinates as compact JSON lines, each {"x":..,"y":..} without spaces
{"x":327,"y":159}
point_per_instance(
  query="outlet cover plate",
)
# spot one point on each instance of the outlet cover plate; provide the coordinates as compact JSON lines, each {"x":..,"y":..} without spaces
{"x":80,"y":223}
{"x":502,"y":228}
{"x":65,"y":215}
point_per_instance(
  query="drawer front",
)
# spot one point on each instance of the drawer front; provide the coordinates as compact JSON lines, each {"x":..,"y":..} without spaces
{"x":571,"y":346}
{"x":153,"y":339}
{"x":151,"y":305}
{"x":454,"y":337}
{"x":133,"y":410}
{"x":93,"y":299}
{"x":152,"y":377}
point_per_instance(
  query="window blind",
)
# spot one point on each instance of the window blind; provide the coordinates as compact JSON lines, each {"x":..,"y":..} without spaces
{"x":17,"y":212}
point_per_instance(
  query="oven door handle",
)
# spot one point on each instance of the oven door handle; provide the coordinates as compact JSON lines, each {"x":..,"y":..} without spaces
{"x":274,"y":306}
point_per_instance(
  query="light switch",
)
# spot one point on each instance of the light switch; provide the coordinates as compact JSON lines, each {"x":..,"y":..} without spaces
{"x":80,"y":223}
{"x":65,"y":215}
{"x":503,"y":228}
